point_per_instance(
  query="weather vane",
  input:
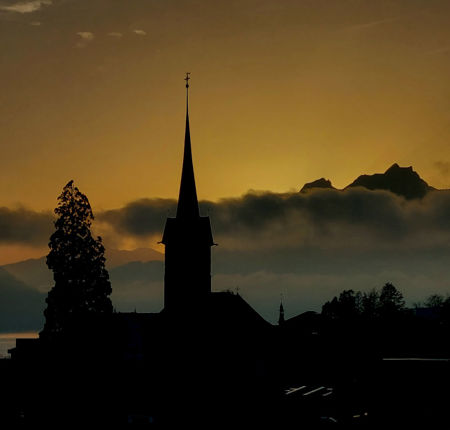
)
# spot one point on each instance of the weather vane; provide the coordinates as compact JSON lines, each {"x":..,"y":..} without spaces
{"x":187,"y":79}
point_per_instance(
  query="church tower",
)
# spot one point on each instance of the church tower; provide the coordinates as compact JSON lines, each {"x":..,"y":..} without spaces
{"x":188,"y":240}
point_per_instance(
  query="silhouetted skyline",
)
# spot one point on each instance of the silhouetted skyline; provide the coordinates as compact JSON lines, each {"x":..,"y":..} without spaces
{"x":284,"y":94}
{"x":318,"y":133}
{"x":305,"y":245}
{"x":309,"y":370}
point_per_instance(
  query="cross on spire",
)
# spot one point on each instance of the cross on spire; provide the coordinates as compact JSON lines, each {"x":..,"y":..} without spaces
{"x":187,"y":200}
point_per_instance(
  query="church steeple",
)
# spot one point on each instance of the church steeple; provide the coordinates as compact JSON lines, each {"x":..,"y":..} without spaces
{"x":187,"y":200}
{"x":188,"y":240}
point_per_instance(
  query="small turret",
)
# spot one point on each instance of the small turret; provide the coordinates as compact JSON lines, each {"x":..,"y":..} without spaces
{"x":281,"y":317}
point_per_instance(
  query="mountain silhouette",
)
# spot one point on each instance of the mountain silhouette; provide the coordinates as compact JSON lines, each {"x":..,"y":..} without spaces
{"x":35,"y":273}
{"x":403,"y":181}
{"x":32,"y":272}
{"x":318,"y":183}
{"x":138,"y":271}
{"x":119,"y":257}
{"x":21,"y":307}
{"x":137,"y":285}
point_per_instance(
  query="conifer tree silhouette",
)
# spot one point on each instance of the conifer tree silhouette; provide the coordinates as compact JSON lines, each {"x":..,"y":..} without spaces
{"x":391,"y":301}
{"x":82,"y":285}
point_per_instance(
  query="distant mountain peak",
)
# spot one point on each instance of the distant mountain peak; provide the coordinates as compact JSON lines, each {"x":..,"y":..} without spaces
{"x":396,"y":166}
{"x":318,"y":183}
{"x":403,"y":181}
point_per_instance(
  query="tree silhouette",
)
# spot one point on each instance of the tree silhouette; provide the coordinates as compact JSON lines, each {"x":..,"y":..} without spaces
{"x":77,"y":260}
{"x":369,"y":306}
{"x":346,"y":307}
{"x":391,"y":301}
{"x":434,"y":301}
{"x":370,"y":303}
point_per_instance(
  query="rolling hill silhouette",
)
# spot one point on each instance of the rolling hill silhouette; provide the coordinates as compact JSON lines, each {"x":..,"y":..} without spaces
{"x":34,"y":272}
{"x":119,"y":257}
{"x":21,"y":306}
{"x":24,"y":286}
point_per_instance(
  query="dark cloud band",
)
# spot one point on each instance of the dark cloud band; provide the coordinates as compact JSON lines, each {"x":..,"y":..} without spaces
{"x":25,"y":226}
{"x":318,"y":218}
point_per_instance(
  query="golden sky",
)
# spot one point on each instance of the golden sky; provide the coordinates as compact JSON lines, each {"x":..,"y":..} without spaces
{"x":282,"y":93}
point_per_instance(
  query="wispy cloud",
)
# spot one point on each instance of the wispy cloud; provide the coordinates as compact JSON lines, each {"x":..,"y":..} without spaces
{"x":36,"y":23}
{"x":371,"y":24}
{"x":26,"y":6}
{"x":115,"y":34}
{"x":140,"y":32}
{"x":86,"y":37}
{"x":442,"y":50}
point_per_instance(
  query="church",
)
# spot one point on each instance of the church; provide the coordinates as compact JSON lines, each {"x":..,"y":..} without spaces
{"x":208,"y":359}
{"x":188,"y":240}
{"x":201,"y":350}
{"x":217,"y":329}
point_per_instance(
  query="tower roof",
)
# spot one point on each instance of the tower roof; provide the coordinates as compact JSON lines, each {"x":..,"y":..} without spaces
{"x":187,"y":200}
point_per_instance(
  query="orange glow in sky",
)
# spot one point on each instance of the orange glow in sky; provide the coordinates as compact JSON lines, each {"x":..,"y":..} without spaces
{"x":282,"y":93}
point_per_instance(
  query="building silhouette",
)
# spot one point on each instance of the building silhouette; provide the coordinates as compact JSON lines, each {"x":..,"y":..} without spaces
{"x":212,"y":344}
{"x":188,"y":240}
{"x":209,"y":360}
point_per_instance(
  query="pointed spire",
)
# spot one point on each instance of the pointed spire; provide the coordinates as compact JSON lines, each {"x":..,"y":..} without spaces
{"x":187,"y":200}
{"x":281,"y":315}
